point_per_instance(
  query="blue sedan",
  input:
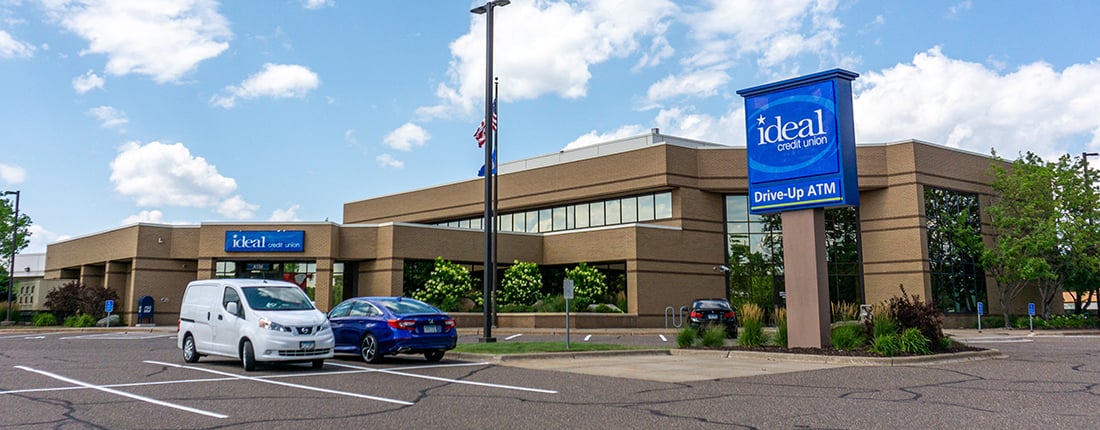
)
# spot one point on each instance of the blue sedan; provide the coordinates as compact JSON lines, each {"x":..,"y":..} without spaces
{"x":374,"y":327}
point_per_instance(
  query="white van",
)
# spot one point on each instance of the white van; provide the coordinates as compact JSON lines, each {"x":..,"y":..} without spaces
{"x":254,"y":320}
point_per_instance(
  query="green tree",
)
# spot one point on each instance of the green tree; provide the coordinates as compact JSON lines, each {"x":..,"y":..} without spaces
{"x":7,"y":247}
{"x":1079,"y":231}
{"x":589,"y":285}
{"x":521,"y":284}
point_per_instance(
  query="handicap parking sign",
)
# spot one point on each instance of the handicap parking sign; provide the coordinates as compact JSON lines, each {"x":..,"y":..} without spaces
{"x":110,"y":306}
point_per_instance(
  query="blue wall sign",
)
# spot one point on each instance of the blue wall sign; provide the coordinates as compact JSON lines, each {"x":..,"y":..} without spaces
{"x":265,"y":241}
{"x":801,"y":143}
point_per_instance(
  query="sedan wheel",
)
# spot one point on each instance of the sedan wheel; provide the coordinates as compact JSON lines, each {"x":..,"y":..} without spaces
{"x":369,"y":349}
{"x":190,"y":354}
{"x":434,"y":356}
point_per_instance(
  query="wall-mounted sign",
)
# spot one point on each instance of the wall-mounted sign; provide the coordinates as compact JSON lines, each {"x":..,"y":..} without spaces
{"x":265,"y":241}
{"x":801,"y":143}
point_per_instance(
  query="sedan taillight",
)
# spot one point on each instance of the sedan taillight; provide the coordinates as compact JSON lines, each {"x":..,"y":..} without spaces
{"x":449,"y":323}
{"x":695,"y":314}
{"x":402,"y":324}
{"x":729,"y":315}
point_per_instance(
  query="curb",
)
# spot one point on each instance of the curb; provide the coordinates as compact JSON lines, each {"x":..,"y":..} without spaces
{"x":988,"y":354}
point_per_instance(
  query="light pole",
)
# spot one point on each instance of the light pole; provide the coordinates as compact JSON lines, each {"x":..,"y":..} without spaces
{"x":490,"y":222}
{"x":1085,"y":166}
{"x":11,"y":262}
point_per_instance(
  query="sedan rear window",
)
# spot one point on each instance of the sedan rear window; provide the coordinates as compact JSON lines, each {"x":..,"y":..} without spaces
{"x":401,"y":307}
{"x":712,"y":305}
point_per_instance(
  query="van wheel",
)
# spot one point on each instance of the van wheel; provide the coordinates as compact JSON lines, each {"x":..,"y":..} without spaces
{"x":317,"y":364}
{"x":190,"y":354}
{"x":434,"y":356}
{"x":369,"y":349}
{"x":248,"y":356}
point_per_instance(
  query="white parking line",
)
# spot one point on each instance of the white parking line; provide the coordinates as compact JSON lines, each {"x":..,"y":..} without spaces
{"x":123,"y":393}
{"x":455,"y":381}
{"x":587,"y":337}
{"x":24,"y":335}
{"x":663,"y":338}
{"x":513,"y":336}
{"x":116,"y":336}
{"x":285,"y":384}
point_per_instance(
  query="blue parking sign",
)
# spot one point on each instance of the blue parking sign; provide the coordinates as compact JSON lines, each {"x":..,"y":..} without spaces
{"x":981,"y":309}
{"x":1031,"y":309}
{"x":110,"y":306}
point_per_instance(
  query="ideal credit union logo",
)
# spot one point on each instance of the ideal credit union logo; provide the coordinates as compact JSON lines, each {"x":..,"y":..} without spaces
{"x":795,"y":133}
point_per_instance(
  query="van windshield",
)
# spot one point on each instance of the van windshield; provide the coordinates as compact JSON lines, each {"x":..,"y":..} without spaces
{"x":268,"y":298}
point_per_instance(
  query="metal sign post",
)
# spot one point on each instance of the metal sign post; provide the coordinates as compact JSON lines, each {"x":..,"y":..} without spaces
{"x":568,"y":284}
{"x":981,"y":308}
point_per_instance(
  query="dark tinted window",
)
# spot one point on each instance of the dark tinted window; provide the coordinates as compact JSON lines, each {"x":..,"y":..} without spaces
{"x":711,"y":305}
{"x":407,"y":306}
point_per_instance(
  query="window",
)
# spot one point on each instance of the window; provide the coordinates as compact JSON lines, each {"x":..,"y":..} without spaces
{"x":546,"y":221}
{"x":645,"y":208}
{"x":958,"y":282}
{"x":662,"y":206}
{"x":612,"y":212}
{"x":559,"y":219}
{"x":225,"y":269}
{"x":505,"y":223}
{"x":230,"y":296}
{"x":532,"y":222}
{"x":597,"y":214}
{"x":630,"y":210}
{"x":582,"y":215}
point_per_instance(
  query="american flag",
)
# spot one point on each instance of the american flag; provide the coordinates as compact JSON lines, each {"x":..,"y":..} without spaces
{"x":480,"y":133}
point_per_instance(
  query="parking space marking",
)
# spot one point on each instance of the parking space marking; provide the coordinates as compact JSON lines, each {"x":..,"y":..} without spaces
{"x":116,"y":336}
{"x":587,"y":337}
{"x":285,"y":384}
{"x":663,"y":338}
{"x":25,"y":335}
{"x":123,"y":393}
{"x":455,"y":381}
{"x":513,"y":336}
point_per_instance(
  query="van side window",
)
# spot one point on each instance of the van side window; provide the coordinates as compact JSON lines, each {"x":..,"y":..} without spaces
{"x":230,"y":296}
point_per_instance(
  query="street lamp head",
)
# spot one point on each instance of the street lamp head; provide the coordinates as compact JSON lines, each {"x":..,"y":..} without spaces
{"x":8,"y":193}
{"x":481,"y":10}
{"x":1090,"y":154}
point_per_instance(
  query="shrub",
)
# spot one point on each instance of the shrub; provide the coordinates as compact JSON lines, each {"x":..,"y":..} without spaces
{"x":74,"y":298}
{"x":515,"y":308}
{"x":82,"y":320}
{"x":781,"y":326}
{"x":914,"y":342}
{"x":687,"y":337}
{"x":43,"y":319}
{"x":448,"y":283}
{"x":589,"y":284}
{"x":4,"y":310}
{"x":882,"y":323}
{"x":603,"y":308}
{"x":887,"y":345}
{"x":910,"y":312}
{"x":714,"y":337}
{"x":752,"y":324}
{"x":551,"y":304}
{"x":848,"y":336}
{"x":521,"y":284}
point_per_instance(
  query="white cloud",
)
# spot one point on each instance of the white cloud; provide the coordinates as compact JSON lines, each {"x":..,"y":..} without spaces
{"x":11,"y":48}
{"x":152,"y":216}
{"x":956,"y":9}
{"x":275,"y":81}
{"x":698,"y":83}
{"x":87,"y":82}
{"x":162,"y":39}
{"x":775,"y":32}
{"x":349,"y":137}
{"x":728,"y":129}
{"x":592,"y":138}
{"x":285,"y":215}
{"x":387,"y":160}
{"x":236,"y":208}
{"x":968,"y":105}
{"x":109,"y":117}
{"x":155,"y":174}
{"x":12,"y":174}
{"x":317,"y":4}
{"x":405,"y":137}
{"x":547,"y":47}
{"x":40,"y":237}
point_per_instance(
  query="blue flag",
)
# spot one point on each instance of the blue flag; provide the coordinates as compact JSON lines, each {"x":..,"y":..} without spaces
{"x":481,"y":172}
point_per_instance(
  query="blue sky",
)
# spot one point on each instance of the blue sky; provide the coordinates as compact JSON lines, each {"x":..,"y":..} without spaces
{"x":179,"y":112}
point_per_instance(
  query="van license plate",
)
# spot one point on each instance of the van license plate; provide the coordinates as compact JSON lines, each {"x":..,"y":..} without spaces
{"x":431,"y":329}
{"x":307,"y":345}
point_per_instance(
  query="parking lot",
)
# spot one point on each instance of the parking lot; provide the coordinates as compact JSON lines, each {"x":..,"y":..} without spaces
{"x":136,"y":380}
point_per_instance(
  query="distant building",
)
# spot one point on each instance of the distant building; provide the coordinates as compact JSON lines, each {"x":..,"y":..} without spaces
{"x":658,"y":214}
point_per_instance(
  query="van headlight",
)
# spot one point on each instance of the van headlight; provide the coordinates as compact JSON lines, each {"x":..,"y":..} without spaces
{"x":274,"y":326}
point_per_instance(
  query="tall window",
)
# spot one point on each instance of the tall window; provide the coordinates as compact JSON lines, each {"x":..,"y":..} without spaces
{"x":958,"y":282}
{"x":755,"y":248}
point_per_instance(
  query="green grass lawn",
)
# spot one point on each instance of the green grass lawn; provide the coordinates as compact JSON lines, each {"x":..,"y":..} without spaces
{"x":529,"y":347}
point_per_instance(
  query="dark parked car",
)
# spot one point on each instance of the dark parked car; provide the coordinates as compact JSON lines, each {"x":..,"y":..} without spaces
{"x":374,"y":327}
{"x":708,"y":312}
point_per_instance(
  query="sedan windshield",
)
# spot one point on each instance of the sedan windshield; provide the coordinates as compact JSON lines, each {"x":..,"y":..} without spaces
{"x":270,"y":298}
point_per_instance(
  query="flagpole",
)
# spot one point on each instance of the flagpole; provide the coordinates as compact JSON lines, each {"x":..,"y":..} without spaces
{"x":490,"y":222}
{"x":496,"y":193}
